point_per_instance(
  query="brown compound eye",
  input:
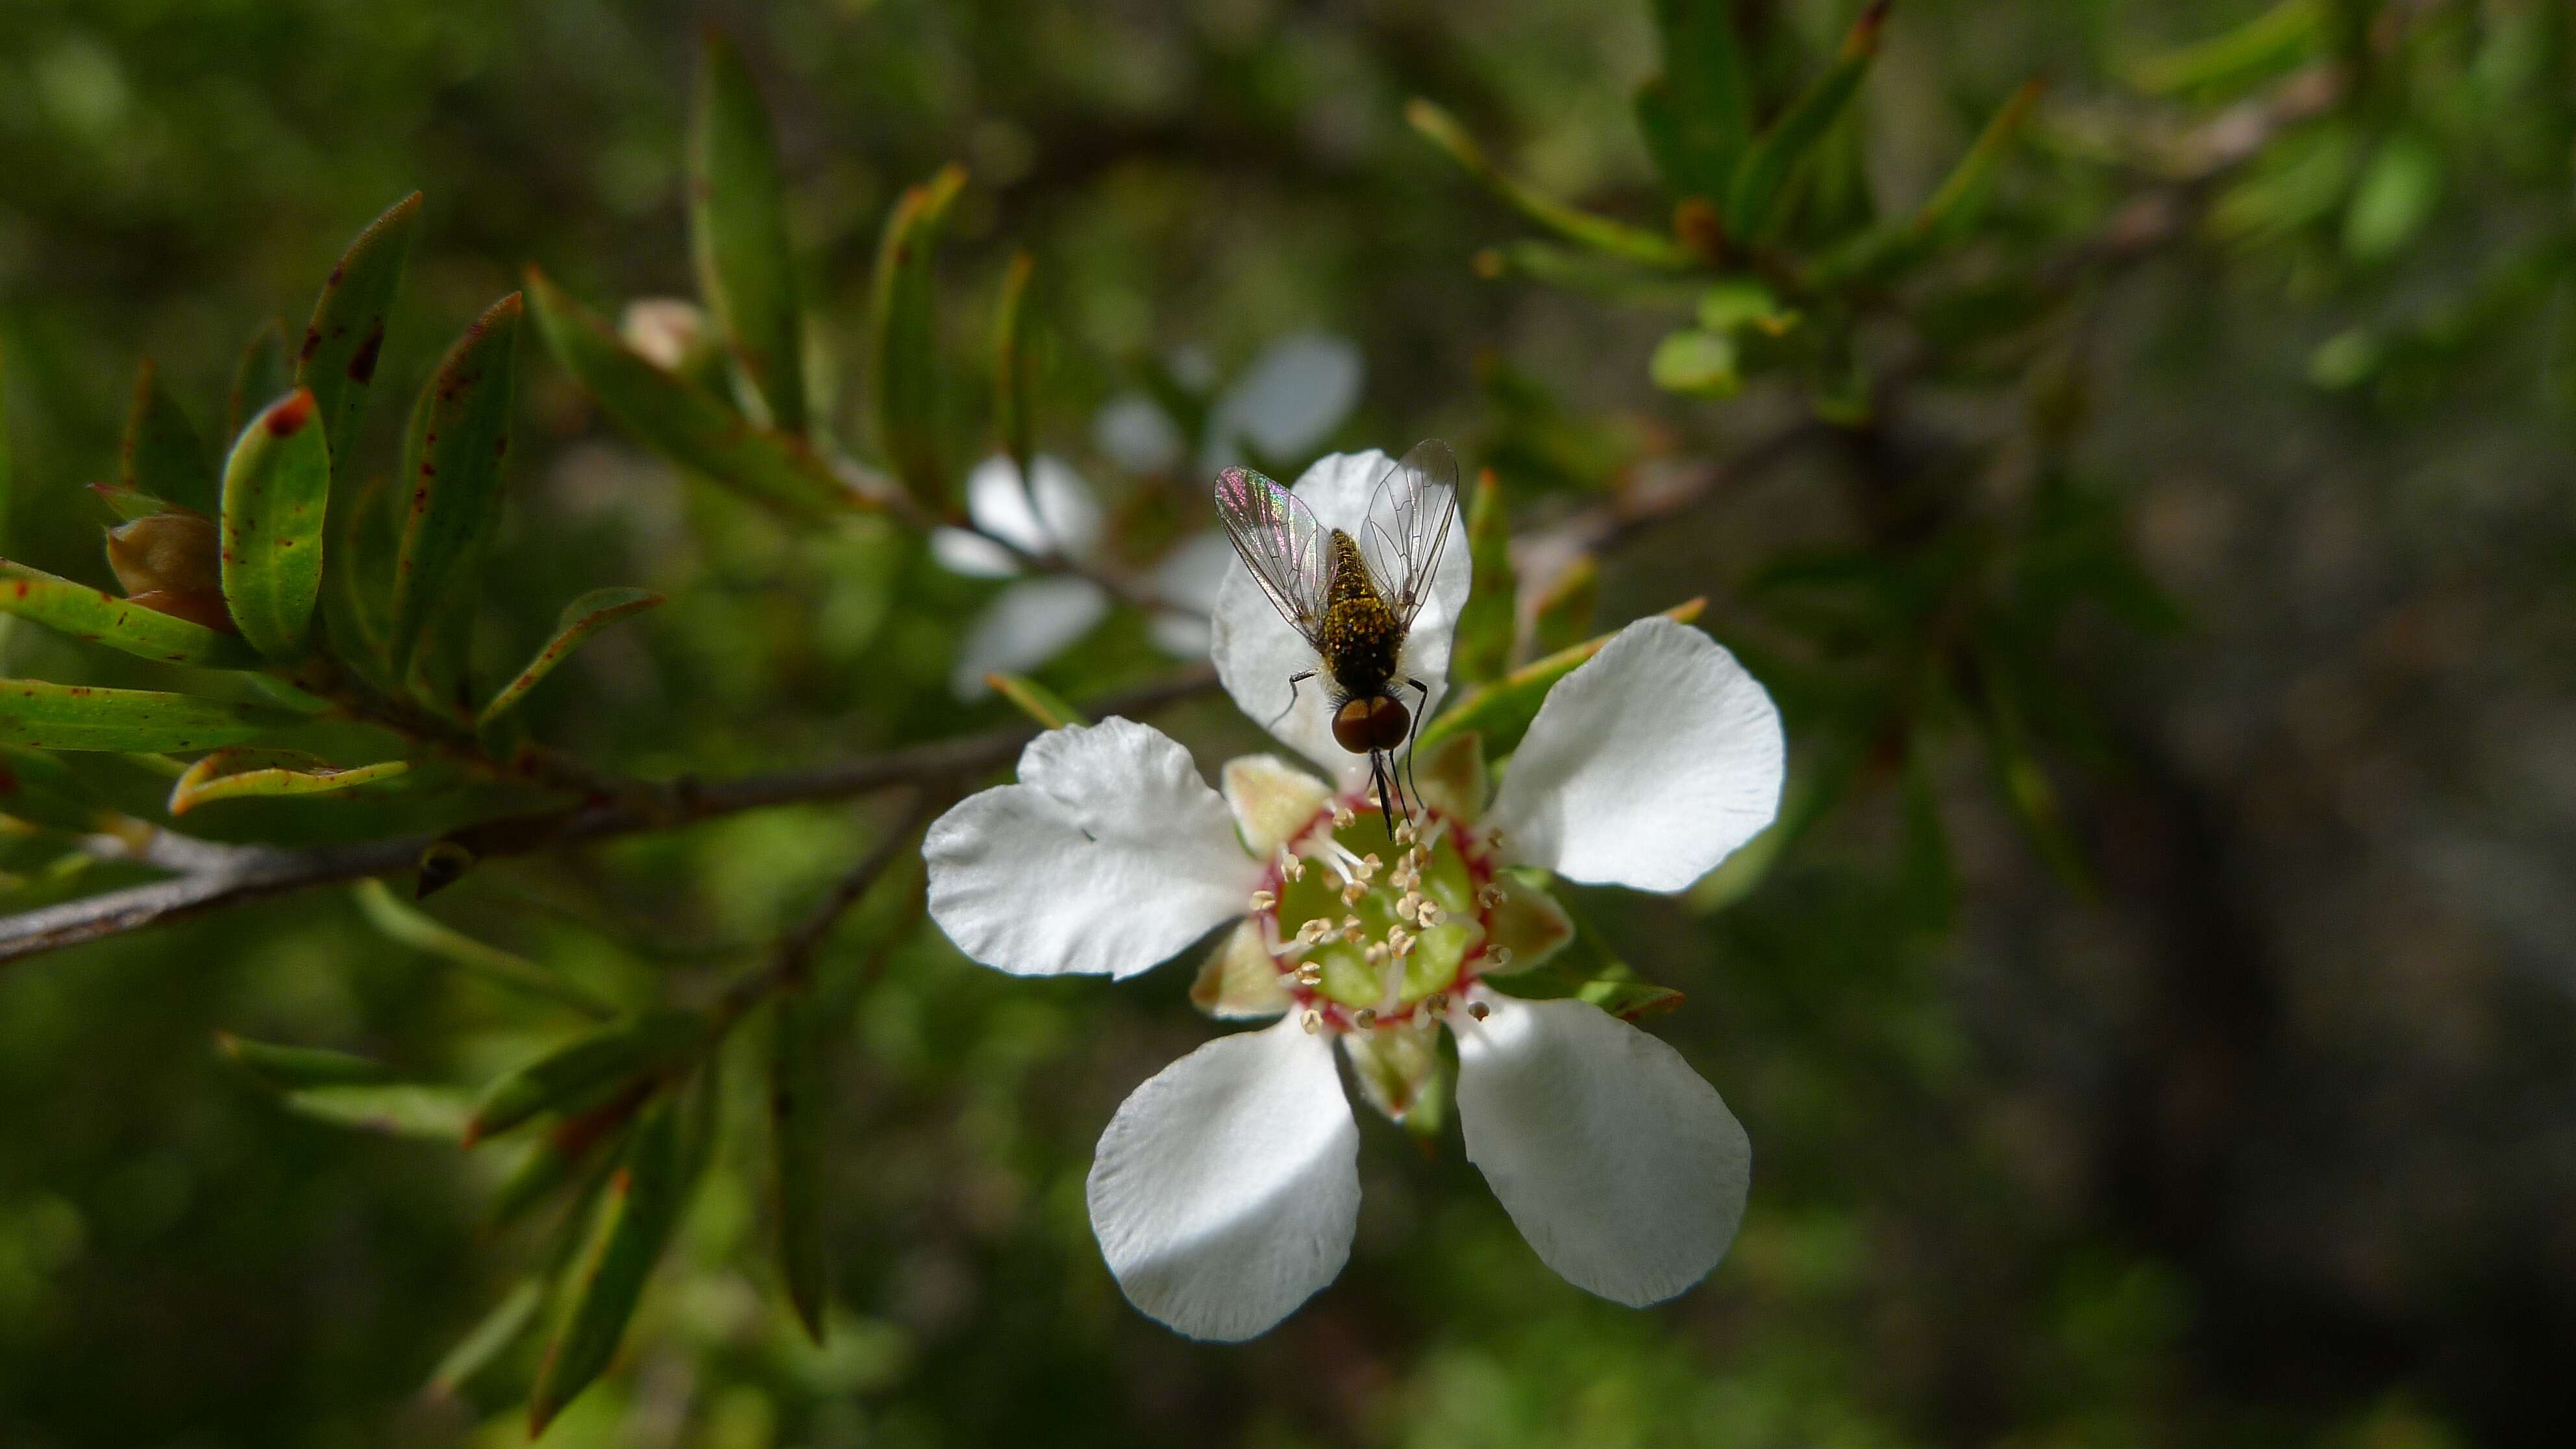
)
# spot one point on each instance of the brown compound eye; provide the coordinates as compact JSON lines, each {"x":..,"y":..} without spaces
{"x":1362,"y":725}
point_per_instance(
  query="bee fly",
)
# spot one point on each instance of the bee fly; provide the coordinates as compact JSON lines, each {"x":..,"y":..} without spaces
{"x":1353,"y":600}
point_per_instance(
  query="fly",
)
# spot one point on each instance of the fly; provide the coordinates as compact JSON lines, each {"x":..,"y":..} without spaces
{"x":1353,"y":600}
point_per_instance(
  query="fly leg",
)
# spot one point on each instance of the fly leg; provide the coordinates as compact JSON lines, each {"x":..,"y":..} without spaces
{"x":1293,"y":681}
{"x":1382,"y":771}
{"x":1422,"y":699}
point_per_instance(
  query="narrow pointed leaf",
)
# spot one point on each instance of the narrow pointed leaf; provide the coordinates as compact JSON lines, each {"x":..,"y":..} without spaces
{"x":587,"y":1070}
{"x":162,"y":454}
{"x":103,"y":618}
{"x":484,"y":1344}
{"x":796,"y":1080}
{"x":128,"y":504}
{"x":275,"y":490}
{"x":41,"y":790}
{"x":1764,"y":174}
{"x":291,"y":1068}
{"x":426,"y":933}
{"x":1589,"y":970}
{"x":686,"y":423}
{"x":236,"y":774}
{"x":635,"y":1220}
{"x":77,"y":717}
{"x":582,"y":618}
{"x":1563,"y":618}
{"x":1600,"y":233}
{"x":1035,"y":700}
{"x":396,"y":1109}
{"x":738,"y":233}
{"x":1011,"y":364}
{"x":1483,"y":646}
{"x":259,"y":378}
{"x":905,"y":367}
{"x":358,"y":575}
{"x":347,"y":334}
{"x":1696,"y":114}
{"x":460,"y":432}
{"x":1946,"y":217}
{"x":567,"y":1151}
{"x":1502,"y":711}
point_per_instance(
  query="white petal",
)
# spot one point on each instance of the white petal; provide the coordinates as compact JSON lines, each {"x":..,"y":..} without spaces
{"x":1182,"y":636}
{"x":1257,"y":652}
{"x":1028,"y":624}
{"x":1108,"y":856}
{"x":1646,"y":766}
{"x":1226,"y":1188}
{"x":1136,"y":434}
{"x":1293,"y":394}
{"x":1618,"y":1162}
{"x":964,"y":551}
{"x":1066,"y":519}
{"x":1189,"y":575}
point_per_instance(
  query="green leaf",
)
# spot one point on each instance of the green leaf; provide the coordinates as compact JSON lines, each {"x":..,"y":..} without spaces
{"x":128,"y":504}
{"x":683,"y":421}
{"x":78,"y":717}
{"x":347,"y":334}
{"x":1035,"y":700}
{"x":358,"y":575}
{"x":1732,"y":304}
{"x":587,"y":1070}
{"x":103,"y":618}
{"x":738,"y":233}
{"x":1695,"y":364}
{"x":41,"y":790}
{"x":1482,"y":649}
{"x":397,"y":1109}
{"x":504,"y":1326}
{"x":796,"y":1081}
{"x":291,"y":1068}
{"x":581,"y":618}
{"x":8,"y":479}
{"x":1011,"y":418}
{"x":1563,"y":618}
{"x":234,"y":774}
{"x":1764,"y":174}
{"x":259,"y":377}
{"x":904,"y":366}
{"x":2235,"y":60}
{"x":2396,"y":196}
{"x":426,"y":933}
{"x":161,"y":454}
{"x":1588,"y":970}
{"x":642,"y":1206}
{"x":1696,"y":115}
{"x":1597,"y":232}
{"x":1502,"y":711}
{"x":275,"y":490}
{"x":1947,"y":217}
{"x":460,"y":431}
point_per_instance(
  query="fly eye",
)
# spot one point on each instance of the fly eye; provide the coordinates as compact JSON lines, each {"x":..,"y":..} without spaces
{"x":1388,"y":722}
{"x":1355,"y":726}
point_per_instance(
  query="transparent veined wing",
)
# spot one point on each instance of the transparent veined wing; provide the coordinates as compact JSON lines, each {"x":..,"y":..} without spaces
{"x":1281,"y":543}
{"x":1408,"y":524}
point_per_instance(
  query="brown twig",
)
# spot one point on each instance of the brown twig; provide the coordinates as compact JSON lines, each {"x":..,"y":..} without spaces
{"x":215,"y":877}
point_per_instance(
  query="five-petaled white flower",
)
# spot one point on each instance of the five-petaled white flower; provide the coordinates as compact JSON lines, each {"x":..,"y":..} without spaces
{"x":1226,"y":1189}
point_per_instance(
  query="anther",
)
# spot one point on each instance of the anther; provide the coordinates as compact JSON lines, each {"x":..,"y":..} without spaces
{"x":1375,"y":954}
{"x":1262,"y":901}
{"x":1428,"y":913}
{"x":1437,"y":1004}
{"x":1354,"y":930}
{"x":1314,"y":931}
{"x":1476,"y":1009}
{"x":1342,"y":816}
{"x":1368,"y":866}
{"x":1399,"y":940}
{"x":1310,"y":975}
{"x":1313,"y":1021}
{"x":1351,"y":893}
{"x":1500,"y":956}
{"x":1404,"y":833}
{"x":1290,"y":866}
{"x":1364,"y":1018}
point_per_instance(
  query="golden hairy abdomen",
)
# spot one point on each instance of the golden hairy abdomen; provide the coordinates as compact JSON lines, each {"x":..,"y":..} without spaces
{"x":1359,"y":634}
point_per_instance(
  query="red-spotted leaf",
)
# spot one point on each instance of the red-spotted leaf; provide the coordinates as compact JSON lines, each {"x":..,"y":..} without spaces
{"x":103,"y":618}
{"x":77,"y":717}
{"x":347,"y":333}
{"x":275,"y":490}
{"x":235,"y":774}
{"x":582,"y":618}
{"x":460,"y":430}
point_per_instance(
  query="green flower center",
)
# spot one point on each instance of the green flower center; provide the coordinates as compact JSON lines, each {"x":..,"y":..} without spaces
{"x":1369,"y":928}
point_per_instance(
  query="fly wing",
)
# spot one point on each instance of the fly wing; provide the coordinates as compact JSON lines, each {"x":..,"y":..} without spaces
{"x":1408,"y":525}
{"x":1280,"y":542}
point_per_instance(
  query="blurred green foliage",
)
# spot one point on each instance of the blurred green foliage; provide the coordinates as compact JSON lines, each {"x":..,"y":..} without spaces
{"x":2007,"y":431}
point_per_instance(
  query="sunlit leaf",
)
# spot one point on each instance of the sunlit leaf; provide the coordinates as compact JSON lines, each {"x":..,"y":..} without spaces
{"x":581,"y":618}
{"x":686,"y":423}
{"x":291,"y":1068}
{"x":2395,"y":197}
{"x":738,"y":233}
{"x":1562,"y":619}
{"x":275,"y":487}
{"x":1482,"y":649}
{"x":586,"y":1070}
{"x":903,"y":354}
{"x":77,"y":717}
{"x":396,"y":1109}
{"x":1502,"y":711}
{"x":347,"y":334}
{"x":234,"y":774}
{"x":1597,"y":232}
{"x":1696,"y":364}
{"x":640,"y":1208}
{"x":504,"y":1326}
{"x":1035,"y":700}
{"x":102,"y":618}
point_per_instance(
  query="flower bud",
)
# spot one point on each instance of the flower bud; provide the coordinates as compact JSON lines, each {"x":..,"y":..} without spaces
{"x":172,"y":561}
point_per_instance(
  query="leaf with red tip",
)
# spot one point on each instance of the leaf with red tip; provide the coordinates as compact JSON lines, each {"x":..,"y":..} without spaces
{"x":234,"y":774}
{"x":347,"y":334}
{"x":460,"y":431}
{"x":587,"y":1070}
{"x":641,"y":1207}
{"x":1763,"y":176}
{"x":276,"y":489}
{"x":582,"y":618}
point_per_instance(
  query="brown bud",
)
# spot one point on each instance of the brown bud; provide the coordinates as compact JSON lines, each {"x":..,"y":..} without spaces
{"x":175,"y":552}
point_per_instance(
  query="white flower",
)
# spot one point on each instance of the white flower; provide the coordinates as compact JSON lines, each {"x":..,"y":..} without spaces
{"x":1225,"y":1190}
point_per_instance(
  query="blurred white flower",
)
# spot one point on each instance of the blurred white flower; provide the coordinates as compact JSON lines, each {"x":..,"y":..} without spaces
{"x":1226,"y":1188}
{"x":1290,"y":399}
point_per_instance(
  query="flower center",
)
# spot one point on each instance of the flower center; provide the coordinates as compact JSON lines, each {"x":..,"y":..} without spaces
{"x":1368,"y":929}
